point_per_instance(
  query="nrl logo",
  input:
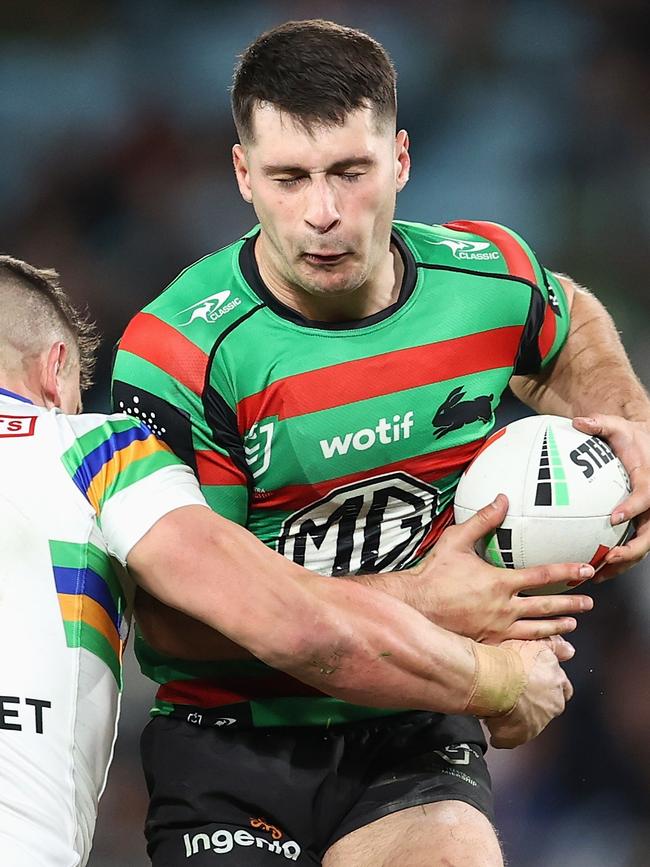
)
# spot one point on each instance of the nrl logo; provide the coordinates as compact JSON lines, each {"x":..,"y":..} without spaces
{"x":468,"y":249}
{"x":257,"y":447}
{"x":210,"y":309}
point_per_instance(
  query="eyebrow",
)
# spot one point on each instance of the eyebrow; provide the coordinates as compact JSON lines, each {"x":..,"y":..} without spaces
{"x":339,"y":165}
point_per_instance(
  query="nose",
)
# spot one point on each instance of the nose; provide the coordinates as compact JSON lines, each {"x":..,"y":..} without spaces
{"x":321,"y":212}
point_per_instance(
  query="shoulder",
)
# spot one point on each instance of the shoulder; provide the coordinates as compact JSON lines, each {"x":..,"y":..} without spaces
{"x":178,"y":330}
{"x":204,"y":292}
{"x":474,"y":245}
{"x":97,"y":437}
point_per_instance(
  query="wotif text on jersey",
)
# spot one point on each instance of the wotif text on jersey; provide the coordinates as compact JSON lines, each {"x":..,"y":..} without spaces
{"x":384,"y":432}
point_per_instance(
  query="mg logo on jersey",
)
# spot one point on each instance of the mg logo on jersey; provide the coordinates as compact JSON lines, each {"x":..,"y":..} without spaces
{"x":384,"y":432}
{"x":257,"y":447}
{"x":375,"y":525}
{"x":468,"y":249}
{"x":209,"y":309}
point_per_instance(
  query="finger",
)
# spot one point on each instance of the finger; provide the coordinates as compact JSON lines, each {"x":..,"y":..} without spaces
{"x":606,"y":573}
{"x":553,"y":573}
{"x":502,"y":735}
{"x":638,"y":502}
{"x":631,"y":552}
{"x":498,"y":742}
{"x":606,"y":426}
{"x":553,"y":606}
{"x":562,"y":648}
{"x":567,"y":689}
{"x":485,"y":521}
{"x":534,"y":630}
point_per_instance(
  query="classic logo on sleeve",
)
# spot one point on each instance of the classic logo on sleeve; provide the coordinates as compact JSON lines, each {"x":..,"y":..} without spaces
{"x":468,"y":249}
{"x":209,"y":309}
{"x":17,"y":425}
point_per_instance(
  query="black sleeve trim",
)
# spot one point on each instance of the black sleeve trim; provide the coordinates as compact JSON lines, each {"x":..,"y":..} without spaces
{"x":168,"y":422}
{"x":223,"y":425}
{"x":221,"y":419}
{"x":529,"y":359}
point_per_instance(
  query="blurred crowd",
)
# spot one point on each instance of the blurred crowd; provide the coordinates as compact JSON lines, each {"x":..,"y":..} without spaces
{"x":115,"y":169}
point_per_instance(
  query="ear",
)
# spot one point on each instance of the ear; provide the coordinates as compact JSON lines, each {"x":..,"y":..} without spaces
{"x":455,"y":396}
{"x":53,"y":364}
{"x":242,"y":174}
{"x":402,"y":159}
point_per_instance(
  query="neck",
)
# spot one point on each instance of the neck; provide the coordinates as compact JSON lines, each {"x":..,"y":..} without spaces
{"x":376,"y":293}
{"x":16,"y":391}
{"x":21,"y":386}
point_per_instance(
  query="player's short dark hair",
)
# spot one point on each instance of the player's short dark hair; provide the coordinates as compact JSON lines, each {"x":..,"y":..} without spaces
{"x":14,"y":273}
{"x":316,"y":71}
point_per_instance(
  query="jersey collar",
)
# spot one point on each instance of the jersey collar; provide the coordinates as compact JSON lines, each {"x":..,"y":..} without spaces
{"x":15,"y":396}
{"x":250,"y":272}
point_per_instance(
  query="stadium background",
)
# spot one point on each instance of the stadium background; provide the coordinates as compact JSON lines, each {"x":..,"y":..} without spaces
{"x":115,"y":169}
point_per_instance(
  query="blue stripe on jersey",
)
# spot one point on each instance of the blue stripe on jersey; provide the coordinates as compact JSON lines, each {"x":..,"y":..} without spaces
{"x":85,"y":582}
{"x":16,"y":396}
{"x":95,"y":460}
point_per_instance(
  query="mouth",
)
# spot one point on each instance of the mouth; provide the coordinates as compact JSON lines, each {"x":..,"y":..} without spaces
{"x":324,"y":258}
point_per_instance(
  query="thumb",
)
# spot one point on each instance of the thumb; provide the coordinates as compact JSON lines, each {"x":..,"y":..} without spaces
{"x":560,"y":647}
{"x":483,"y":522}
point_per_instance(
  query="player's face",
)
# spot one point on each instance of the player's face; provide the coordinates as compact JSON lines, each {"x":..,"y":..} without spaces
{"x":325,"y":200}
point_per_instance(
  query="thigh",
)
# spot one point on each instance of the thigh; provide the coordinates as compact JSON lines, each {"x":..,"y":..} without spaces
{"x":232,"y":794}
{"x":444,"y":834}
{"x":422,"y":759}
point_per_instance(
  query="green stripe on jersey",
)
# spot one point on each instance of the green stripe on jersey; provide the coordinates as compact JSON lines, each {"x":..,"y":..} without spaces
{"x":80,"y":634}
{"x":88,"y":442}
{"x":137,"y":470}
{"x":317,"y":711}
{"x":230,"y":501}
{"x":79,"y":556}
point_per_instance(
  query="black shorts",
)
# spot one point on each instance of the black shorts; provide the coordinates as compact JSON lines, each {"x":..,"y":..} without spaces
{"x":269,"y":796}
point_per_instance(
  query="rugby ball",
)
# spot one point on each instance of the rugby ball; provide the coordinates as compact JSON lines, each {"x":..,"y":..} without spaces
{"x":562,"y":486}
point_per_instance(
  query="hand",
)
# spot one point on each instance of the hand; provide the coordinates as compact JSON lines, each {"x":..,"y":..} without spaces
{"x":459,"y":591}
{"x":630,"y":441}
{"x":547,"y":691}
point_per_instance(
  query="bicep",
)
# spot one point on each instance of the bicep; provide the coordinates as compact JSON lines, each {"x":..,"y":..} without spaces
{"x":215,"y":571}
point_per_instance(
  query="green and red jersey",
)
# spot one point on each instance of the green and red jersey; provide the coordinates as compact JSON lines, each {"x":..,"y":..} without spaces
{"x":337,"y":444}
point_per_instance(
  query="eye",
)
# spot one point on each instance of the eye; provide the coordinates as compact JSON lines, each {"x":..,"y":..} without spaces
{"x":351,"y":177}
{"x":289,"y":182}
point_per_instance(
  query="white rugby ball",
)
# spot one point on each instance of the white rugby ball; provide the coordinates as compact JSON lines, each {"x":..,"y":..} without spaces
{"x":562,"y":486}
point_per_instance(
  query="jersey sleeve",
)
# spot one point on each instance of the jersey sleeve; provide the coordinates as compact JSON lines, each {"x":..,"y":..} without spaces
{"x":162,"y":377}
{"x":547,"y":324}
{"x":129,"y":477}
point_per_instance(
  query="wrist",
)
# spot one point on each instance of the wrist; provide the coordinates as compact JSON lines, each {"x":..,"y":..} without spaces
{"x":499,"y":681}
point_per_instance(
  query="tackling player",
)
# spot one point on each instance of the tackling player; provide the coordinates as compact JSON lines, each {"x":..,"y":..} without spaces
{"x":329,"y":376}
{"x":83,"y":495}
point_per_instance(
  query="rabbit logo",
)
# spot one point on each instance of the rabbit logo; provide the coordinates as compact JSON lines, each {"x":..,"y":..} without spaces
{"x":454,"y":412}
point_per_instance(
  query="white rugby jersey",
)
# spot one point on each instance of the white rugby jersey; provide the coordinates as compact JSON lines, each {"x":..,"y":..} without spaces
{"x":76,"y":494}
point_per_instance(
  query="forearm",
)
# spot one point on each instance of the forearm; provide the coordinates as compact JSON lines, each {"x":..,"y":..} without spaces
{"x":338,"y":636}
{"x":391,"y":656}
{"x":592,"y":373}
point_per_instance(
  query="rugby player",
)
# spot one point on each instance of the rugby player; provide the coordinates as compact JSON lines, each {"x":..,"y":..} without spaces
{"x":82,"y":496}
{"x":329,"y":376}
